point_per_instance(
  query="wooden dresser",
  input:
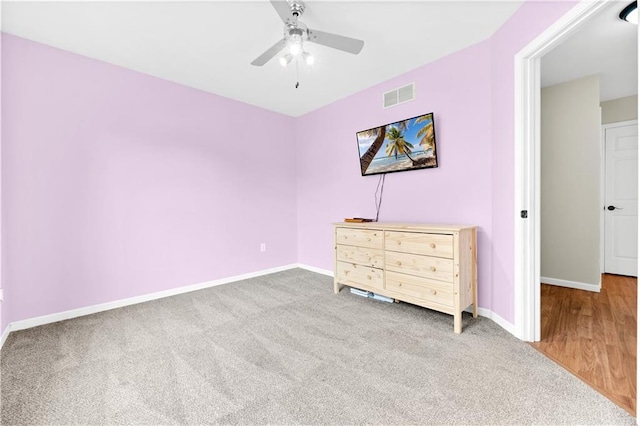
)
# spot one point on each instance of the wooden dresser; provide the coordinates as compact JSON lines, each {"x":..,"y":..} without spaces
{"x":433,"y":266}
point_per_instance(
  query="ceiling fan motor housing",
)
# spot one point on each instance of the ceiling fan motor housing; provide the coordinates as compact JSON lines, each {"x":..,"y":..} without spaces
{"x":294,"y":33}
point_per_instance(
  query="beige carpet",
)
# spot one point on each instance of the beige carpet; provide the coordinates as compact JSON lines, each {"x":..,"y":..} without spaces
{"x":283,"y":349}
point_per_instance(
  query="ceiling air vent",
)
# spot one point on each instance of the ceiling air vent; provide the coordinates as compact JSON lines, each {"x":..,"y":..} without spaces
{"x":390,"y":98}
{"x":399,"y":96}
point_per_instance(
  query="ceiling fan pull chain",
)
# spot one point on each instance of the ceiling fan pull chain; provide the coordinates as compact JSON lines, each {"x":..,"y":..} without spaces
{"x":297,"y":74}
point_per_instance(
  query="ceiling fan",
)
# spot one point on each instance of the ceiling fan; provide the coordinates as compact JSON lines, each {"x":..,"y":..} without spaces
{"x":296,"y":32}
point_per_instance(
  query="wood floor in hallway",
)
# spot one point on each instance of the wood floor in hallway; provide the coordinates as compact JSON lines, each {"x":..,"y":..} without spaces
{"x":593,"y":335}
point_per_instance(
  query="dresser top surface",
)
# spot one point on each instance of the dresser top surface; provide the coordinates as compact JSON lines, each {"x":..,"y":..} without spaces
{"x":404,"y":226}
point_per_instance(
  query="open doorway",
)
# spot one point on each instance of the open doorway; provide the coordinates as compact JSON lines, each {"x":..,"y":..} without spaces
{"x":587,"y":205}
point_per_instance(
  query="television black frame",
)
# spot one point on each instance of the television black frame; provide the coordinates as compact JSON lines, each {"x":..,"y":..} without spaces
{"x":435,"y":146}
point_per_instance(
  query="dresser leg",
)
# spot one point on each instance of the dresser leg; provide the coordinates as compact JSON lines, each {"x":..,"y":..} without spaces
{"x":457,"y":323}
{"x":474,"y":274}
{"x":336,"y":287}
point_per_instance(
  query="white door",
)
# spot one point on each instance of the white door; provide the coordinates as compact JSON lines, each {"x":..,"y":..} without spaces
{"x":621,"y":200}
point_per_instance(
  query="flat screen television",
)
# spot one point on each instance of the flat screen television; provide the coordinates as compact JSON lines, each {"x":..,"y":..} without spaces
{"x":404,"y":145}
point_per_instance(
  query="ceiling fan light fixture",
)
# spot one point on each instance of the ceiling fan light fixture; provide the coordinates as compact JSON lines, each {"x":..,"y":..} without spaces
{"x":284,"y":60}
{"x":295,"y":49}
{"x":630,"y":13}
{"x":308,"y":58}
{"x":295,"y":45}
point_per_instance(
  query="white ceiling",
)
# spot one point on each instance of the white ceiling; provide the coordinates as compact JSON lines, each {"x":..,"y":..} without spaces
{"x":209,"y":45}
{"x":604,"y":45}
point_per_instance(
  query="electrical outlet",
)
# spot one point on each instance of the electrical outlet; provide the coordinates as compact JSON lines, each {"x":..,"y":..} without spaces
{"x":263,"y":247}
{"x":1,"y":295}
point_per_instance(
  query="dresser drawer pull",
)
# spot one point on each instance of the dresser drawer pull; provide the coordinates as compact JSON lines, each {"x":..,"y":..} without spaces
{"x":399,"y":284}
{"x":399,"y":263}
{"x":433,"y":292}
{"x":433,"y":245}
{"x":399,"y":242}
{"x":433,"y":268}
{"x":346,"y":272}
{"x":368,"y":277}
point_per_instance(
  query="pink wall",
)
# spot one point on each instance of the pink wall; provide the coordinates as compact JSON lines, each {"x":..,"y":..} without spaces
{"x":330,"y":187}
{"x":117,"y":184}
{"x":472,"y":95}
{"x":530,"y":20}
{"x":3,"y":312}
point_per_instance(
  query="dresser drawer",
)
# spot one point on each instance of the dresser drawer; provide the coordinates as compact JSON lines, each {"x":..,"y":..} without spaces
{"x":419,"y":243}
{"x":359,"y":276}
{"x":359,"y":237}
{"x":420,"y":288}
{"x":430,"y":267}
{"x":360,"y":255}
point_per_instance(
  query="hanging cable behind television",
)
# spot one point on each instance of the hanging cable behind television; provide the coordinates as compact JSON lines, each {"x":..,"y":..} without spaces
{"x":380,"y":188}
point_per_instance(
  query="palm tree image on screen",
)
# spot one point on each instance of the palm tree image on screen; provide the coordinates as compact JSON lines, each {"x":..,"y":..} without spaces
{"x":408,"y":145}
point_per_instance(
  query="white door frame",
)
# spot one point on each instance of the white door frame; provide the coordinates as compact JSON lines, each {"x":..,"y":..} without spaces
{"x":603,"y":135}
{"x":527,"y":165}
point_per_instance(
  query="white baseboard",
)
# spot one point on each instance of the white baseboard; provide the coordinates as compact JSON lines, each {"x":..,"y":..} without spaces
{"x":74,"y":313}
{"x":5,"y":334}
{"x":571,"y":284}
{"x":498,"y":320}
{"x":316,"y":270}
{"x":488,"y":313}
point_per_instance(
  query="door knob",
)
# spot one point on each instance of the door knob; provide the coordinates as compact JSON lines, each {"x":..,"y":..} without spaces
{"x":612,"y":208}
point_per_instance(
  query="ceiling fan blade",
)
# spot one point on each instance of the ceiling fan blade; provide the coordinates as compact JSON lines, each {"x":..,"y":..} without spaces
{"x":269,"y":53}
{"x":283,"y":9}
{"x":346,"y":44}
